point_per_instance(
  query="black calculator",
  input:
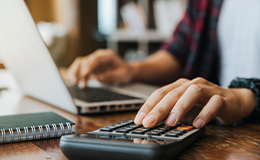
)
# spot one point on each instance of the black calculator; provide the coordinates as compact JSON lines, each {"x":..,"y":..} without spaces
{"x":127,"y":141}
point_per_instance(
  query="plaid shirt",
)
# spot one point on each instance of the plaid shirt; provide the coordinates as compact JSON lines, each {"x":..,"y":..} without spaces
{"x":194,"y":41}
{"x":194,"y":44}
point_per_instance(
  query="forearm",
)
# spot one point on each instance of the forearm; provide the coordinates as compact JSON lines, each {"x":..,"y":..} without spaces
{"x":159,"y":68}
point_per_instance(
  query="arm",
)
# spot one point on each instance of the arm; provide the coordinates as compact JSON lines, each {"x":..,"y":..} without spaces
{"x":159,"y":68}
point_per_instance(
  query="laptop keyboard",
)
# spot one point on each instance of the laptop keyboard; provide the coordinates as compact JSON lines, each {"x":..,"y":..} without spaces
{"x":92,"y":94}
{"x":160,"y":131}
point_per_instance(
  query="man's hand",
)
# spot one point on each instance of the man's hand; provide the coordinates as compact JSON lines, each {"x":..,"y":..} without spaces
{"x":105,"y":64}
{"x":172,"y":102}
{"x":108,"y":67}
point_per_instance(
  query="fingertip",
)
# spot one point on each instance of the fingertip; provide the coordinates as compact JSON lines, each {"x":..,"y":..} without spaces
{"x":84,"y":74}
{"x":171,"y":120}
{"x":139,"y":118}
{"x":150,"y":121}
{"x":82,"y":84}
{"x":198,"y":123}
{"x":73,"y":80}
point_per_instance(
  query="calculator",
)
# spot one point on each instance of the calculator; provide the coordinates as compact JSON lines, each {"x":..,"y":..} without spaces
{"x":127,"y":141}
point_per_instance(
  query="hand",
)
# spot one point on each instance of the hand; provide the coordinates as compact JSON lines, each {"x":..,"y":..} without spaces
{"x":105,"y":64}
{"x":172,"y":102}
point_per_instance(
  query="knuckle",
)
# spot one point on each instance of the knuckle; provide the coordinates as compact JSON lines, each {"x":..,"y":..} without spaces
{"x":98,"y":51}
{"x":78,"y":59}
{"x":160,"y":92}
{"x":161,"y":110}
{"x":219,"y":99}
{"x":147,"y":107}
{"x":84,"y":74}
{"x":85,"y":58}
{"x":182,"y":80}
{"x":174,"y":93}
{"x":195,"y":88}
{"x":198,"y":80}
{"x":93,"y":57}
{"x":181,"y":107}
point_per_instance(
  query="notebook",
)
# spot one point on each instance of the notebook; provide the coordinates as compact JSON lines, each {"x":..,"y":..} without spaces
{"x":23,"y":127}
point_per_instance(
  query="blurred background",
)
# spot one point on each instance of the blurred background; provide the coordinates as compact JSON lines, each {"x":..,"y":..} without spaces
{"x":132,"y":28}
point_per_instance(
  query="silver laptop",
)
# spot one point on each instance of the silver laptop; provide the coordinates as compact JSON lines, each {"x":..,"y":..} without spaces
{"x":27,"y":57}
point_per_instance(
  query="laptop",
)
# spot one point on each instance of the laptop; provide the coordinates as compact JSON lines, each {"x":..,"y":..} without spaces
{"x":25,"y":54}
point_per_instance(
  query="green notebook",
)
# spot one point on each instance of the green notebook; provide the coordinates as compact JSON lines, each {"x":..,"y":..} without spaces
{"x":23,"y":127}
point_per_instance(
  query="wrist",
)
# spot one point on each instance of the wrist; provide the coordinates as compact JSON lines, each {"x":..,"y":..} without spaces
{"x":247,"y":101}
{"x":253,"y":84}
{"x":134,"y":68}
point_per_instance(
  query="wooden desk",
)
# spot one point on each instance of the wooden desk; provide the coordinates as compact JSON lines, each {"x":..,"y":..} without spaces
{"x":241,"y":142}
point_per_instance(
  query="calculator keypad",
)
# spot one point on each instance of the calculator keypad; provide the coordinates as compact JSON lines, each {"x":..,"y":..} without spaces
{"x":160,"y":131}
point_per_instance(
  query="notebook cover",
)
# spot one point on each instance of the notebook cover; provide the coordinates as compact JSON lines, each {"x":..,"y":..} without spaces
{"x":32,"y":119}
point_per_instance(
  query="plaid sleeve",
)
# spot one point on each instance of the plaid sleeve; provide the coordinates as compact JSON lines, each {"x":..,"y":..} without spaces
{"x":182,"y":40}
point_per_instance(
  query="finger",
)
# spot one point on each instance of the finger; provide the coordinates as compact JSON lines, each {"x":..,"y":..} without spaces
{"x":191,"y":115}
{"x":95,"y":61}
{"x":87,"y":66}
{"x":184,"y":104}
{"x":82,"y":84}
{"x":209,"y":111}
{"x":155,"y":98}
{"x":73,"y":71}
{"x":163,"y":108}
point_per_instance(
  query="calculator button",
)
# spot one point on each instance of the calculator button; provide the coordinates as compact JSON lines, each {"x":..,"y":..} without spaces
{"x":155,"y":133}
{"x":157,"y":130}
{"x":187,"y":128}
{"x":121,"y":130}
{"x":125,"y":122}
{"x":171,"y":134}
{"x":133,"y":126}
{"x":124,"y":130}
{"x":138,"y":131}
{"x":144,"y":129}
{"x":112,"y":127}
{"x":182,"y":131}
{"x":176,"y":132}
{"x":106,"y":129}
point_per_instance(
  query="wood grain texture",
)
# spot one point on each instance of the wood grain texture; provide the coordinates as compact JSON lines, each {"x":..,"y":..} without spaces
{"x":219,"y":142}
{"x":22,"y":151}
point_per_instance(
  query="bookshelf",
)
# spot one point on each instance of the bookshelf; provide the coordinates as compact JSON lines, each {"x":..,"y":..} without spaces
{"x":122,"y":39}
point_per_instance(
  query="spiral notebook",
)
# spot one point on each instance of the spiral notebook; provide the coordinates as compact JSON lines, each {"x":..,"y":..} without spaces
{"x":24,"y":127}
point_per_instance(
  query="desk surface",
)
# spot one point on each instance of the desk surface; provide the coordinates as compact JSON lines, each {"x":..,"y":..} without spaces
{"x":241,"y":142}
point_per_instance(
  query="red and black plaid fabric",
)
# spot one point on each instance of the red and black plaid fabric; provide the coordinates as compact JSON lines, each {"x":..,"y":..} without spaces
{"x":194,"y":41}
